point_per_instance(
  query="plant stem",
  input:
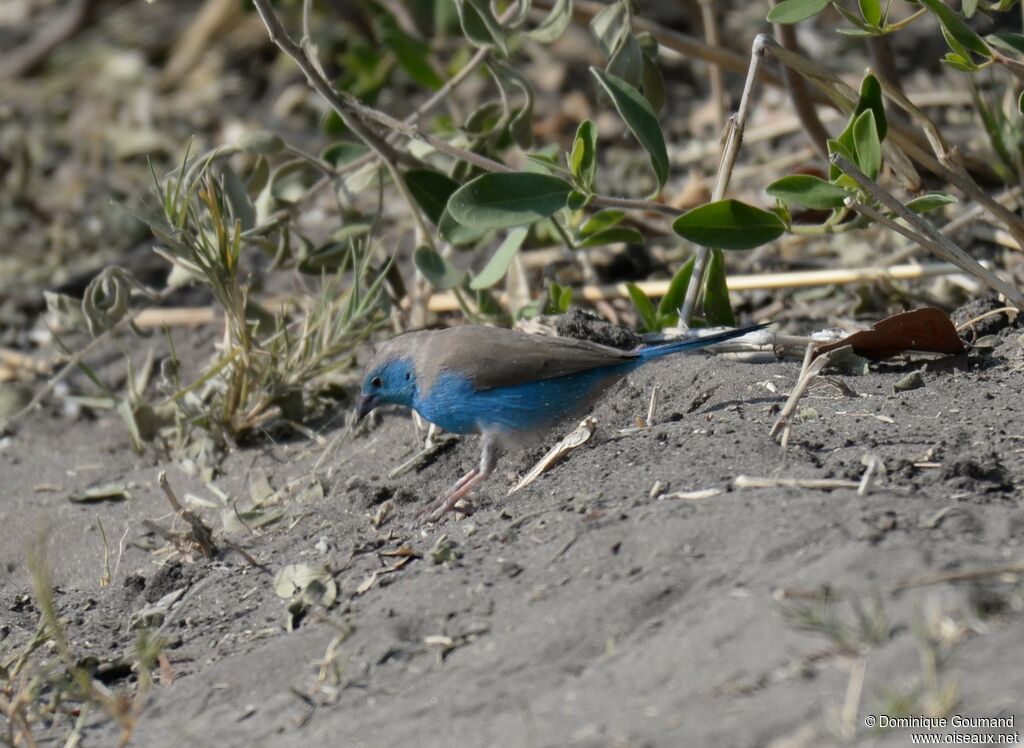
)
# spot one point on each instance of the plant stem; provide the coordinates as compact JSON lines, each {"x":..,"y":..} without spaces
{"x":799,"y":94}
{"x":734,"y":138}
{"x":928,"y":237}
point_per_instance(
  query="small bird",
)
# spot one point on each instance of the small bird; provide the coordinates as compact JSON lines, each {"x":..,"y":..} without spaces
{"x":503,"y":384}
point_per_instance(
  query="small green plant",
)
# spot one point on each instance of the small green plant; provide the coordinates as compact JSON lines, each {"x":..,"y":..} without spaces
{"x":270,"y":366}
{"x":866,"y":625}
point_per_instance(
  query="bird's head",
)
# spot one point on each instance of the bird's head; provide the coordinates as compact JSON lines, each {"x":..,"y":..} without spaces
{"x":387,"y":382}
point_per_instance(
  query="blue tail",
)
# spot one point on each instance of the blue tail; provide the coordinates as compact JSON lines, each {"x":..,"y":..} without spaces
{"x":664,"y":349}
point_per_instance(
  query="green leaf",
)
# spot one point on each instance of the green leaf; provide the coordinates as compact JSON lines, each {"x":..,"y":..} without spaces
{"x":969,"y":7}
{"x":872,"y":12}
{"x":871,"y":98}
{"x":959,"y":50}
{"x":343,"y":152}
{"x":957,"y":28}
{"x":583,"y":157}
{"x":497,"y":266}
{"x":600,"y":221}
{"x":836,"y":146}
{"x":653,"y":83}
{"x":627,"y":62}
{"x":1020,"y":103}
{"x":413,"y":54}
{"x":676,"y":293}
{"x":794,"y":11}
{"x":729,"y":224}
{"x":959,"y":62}
{"x":609,"y":25}
{"x":431,"y":191}
{"x":807,"y":191}
{"x":554,"y":24}
{"x":639,"y":118}
{"x":717,"y":308}
{"x":484,"y":119}
{"x":931,"y":201}
{"x":869,"y":149}
{"x":1007,"y":41}
{"x":860,"y":28}
{"x":435,"y":268}
{"x":561,"y":298}
{"x":624,"y":234}
{"x":479,"y":25}
{"x":643,"y":306}
{"x":521,"y":124}
{"x":456,"y":234}
{"x":501,"y":200}
{"x":578,"y":200}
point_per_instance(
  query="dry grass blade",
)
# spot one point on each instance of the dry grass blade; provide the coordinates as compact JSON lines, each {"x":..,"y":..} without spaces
{"x":810,"y":369}
{"x":820,"y":484}
{"x":574,"y":440}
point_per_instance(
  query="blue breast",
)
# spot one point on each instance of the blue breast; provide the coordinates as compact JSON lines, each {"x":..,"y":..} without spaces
{"x":456,"y":407}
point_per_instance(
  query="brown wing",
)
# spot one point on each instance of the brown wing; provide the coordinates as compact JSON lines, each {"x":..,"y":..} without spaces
{"x":496,"y":357}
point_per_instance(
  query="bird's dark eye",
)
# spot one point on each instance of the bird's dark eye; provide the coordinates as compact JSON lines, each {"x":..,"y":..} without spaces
{"x":375,"y":382}
{"x":408,"y":376}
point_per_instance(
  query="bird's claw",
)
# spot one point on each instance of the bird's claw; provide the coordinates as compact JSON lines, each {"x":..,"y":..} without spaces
{"x":444,"y":504}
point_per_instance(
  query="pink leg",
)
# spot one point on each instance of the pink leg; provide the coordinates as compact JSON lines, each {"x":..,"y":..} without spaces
{"x":444,"y":504}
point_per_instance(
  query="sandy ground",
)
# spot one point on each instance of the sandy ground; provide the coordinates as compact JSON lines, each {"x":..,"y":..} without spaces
{"x":595,"y":607}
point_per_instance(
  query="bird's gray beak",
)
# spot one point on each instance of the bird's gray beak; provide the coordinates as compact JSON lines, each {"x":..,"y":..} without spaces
{"x":365,"y":405}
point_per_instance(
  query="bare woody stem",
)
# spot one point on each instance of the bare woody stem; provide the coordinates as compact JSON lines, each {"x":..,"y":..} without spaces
{"x":923,"y":232}
{"x":734,"y":138}
{"x":799,"y":93}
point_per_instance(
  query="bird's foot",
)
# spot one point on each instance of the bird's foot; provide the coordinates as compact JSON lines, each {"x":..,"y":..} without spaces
{"x":444,"y":504}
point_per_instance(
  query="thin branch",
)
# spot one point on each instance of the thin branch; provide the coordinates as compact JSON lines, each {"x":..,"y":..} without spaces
{"x":799,"y":93}
{"x":354,"y":113}
{"x":734,"y":138}
{"x":710,"y":23}
{"x":930,"y":237}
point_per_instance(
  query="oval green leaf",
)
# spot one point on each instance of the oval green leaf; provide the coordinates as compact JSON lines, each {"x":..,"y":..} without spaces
{"x":729,"y":224}
{"x":603,"y":219}
{"x":497,"y":266}
{"x":871,"y":98}
{"x":503,"y":200}
{"x":644,"y":307}
{"x":618,"y":234}
{"x":957,"y":28}
{"x":435,"y":268}
{"x":431,"y":190}
{"x":717,"y":308}
{"x":869,"y":148}
{"x":639,"y":118}
{"x":676,"y":293}
{"x":807,"y":191}
{"x":583,"y":157}
{"x":554,"y":24}
{"x":1007,"y":41}
{"x":931,"y":201}
{"x":871,"y":10}
{"x":794,"y":11}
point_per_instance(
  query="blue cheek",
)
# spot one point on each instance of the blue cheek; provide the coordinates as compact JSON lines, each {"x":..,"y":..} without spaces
{"x":456,"y":407}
